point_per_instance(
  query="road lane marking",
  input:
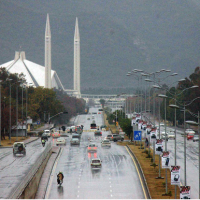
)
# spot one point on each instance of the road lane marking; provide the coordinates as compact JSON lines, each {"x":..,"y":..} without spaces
{"x":52,"y":176}
{"x":138,"y":173}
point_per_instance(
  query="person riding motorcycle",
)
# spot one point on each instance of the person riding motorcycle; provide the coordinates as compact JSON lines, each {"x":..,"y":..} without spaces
{"x":60,"y":178}
{"x":43,"y":142}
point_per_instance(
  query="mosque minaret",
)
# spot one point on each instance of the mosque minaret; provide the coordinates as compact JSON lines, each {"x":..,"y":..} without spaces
{"x":47,"y":63}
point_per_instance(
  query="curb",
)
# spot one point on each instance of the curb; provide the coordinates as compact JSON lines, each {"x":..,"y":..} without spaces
{"x":41,"y":192}
{"x":26,"y":142}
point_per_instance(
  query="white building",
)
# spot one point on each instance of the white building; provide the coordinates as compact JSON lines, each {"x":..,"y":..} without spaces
{"x":34,"y":73}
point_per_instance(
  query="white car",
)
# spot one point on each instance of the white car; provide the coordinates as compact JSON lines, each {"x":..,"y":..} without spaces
{"x":47,"y":132}
{"x":171,"y":135}
{"x":106,"y":143}
{"x":96,"y":163}
{"x":92,"y":147}
{"x":60,"y":141}
{"x":188,"y":130}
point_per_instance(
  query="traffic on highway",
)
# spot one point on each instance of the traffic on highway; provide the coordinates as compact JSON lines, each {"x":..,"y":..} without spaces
{"x":96,"y":172}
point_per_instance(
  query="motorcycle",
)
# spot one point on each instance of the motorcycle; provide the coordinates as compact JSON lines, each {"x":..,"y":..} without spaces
{"x":43,"y":144}
{"x":60,"y":177}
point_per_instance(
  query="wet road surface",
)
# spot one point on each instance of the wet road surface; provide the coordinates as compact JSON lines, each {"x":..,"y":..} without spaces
{"x":117,"y":178}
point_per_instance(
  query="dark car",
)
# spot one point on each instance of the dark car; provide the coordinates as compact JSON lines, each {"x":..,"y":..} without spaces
{"x":98,"y":133}
{"x":117,"y":137}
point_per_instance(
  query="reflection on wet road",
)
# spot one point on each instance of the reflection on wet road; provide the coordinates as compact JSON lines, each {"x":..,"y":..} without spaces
{"x":116,"y":179}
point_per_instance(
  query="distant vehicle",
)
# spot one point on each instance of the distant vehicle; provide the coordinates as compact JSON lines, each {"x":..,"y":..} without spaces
{"x":171,"y":135}
{"x":92,"y":116}
{"x":116,"y":137}
{"x":93,"y":125}
{"x":78,"y":129}
{"x":97,"y":133}
{"x":163,"y":135}
{"x":19,"y":148}
{"x":109,"y":137}
{"x":190,"y":136}
{"x":74,"y":141}
{"x":76,"y":135}
{"x":96,"y":163}
{"x":47,"y":132}
{"x":88,"y":118}
{"x":195,"y":138}
{"x":100,"y":109}
{"x":106,"y":143}
{"x":55,"y":134}
{"x":92,"y":147}
{"x":72,"y":129}
{"x":60,"y":140}
{"x":188,"y":130}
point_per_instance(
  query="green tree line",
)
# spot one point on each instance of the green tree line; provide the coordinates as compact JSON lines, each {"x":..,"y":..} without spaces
{"x":40,"y":102}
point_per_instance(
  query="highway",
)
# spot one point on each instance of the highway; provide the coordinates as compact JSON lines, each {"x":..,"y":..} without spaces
{"x":118,"y":178}
{"x":13,"y":169}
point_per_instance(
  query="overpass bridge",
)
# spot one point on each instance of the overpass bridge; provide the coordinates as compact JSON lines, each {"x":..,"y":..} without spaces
{"x":111,"y":100}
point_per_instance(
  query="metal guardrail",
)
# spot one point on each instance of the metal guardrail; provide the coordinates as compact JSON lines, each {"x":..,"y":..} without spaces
{"x":148,"y":195}
{"x":18,"y":190}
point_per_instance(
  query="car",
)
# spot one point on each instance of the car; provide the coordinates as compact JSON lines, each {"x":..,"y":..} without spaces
{"x":74,"y":141}
{"x":195,"y":138}
{"x":189,"y":130}
{"x":47,"y":132}
{"x":60,"y":140}
{"x":163,"y":135}
{"x":97,"y":133}
{"x":171,"y":135}
{"x":116,"y":137}
{"x":19,"y":148}
{"x":190,"y":136}
{"x":109,"y":137}
{"x":78,"y":129}
{"x":55,"y":134}
{"x":93,"y":125}
{"x":76,"y":135}
{"x":88,"y":118}
{"x":96,"y":163}
{"x":92,"y":147}
{"x":106,"y":143}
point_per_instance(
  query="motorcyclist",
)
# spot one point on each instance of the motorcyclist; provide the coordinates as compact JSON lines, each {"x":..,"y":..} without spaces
{"x":43,"y":142}
{"x":60,"y":178}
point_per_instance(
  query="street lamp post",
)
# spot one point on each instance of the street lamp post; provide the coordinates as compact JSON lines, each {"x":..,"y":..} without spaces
{"x":164,"y":96}
{"x":10,"y":111}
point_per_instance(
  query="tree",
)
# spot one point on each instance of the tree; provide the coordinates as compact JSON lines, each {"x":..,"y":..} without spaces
{"x":102,"y":102}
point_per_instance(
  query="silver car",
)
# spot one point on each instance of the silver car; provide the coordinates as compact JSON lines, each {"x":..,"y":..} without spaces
{"x":75,"y":141}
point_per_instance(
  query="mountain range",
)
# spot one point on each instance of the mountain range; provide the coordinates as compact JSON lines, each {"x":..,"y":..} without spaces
{"x":116,"y":37}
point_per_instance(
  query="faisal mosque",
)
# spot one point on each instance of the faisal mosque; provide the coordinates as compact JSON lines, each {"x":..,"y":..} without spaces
{"x":44,"y":76}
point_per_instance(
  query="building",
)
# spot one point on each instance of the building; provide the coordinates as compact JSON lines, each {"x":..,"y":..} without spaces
{"x":34,"y":73}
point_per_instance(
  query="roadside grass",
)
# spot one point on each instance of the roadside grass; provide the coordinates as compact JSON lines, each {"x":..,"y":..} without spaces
{"x":9,"y":143}
{"x":156,"y":186}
